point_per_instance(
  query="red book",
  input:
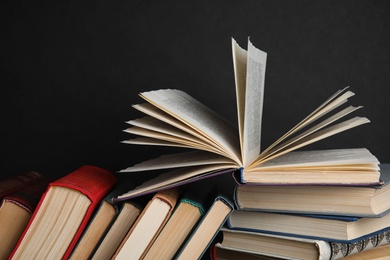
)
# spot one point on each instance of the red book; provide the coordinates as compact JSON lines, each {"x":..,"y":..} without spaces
{"x":63,"y":213}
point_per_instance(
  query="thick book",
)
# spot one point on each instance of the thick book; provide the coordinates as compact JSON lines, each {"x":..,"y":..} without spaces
{"x":100,"y":222}
{"x":62,"y":214}
{"x":201,"y":238}
{"x":174,"y":118}
{"x":367,"y":201}
{"x":186,"y":215}
{"x":15,"y":212}
{"x":15,"y":183}
{"x":287,"y":247}
{"x":320,"y":227}
{"x":148,"y":225}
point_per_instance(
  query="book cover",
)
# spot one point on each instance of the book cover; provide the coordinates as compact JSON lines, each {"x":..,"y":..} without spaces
{"x":91,"y":182}
{"x":174,"y":118}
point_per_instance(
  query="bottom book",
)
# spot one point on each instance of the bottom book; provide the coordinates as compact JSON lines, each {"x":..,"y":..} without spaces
{"x":286,"y":247}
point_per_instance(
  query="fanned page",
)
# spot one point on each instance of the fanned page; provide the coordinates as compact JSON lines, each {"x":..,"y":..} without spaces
{"x":178,"y":104}
{"x":250,"y":96}
{"x":174,"y":118}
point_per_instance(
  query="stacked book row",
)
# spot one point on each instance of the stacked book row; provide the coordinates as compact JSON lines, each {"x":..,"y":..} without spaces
{"x":308,"y":222}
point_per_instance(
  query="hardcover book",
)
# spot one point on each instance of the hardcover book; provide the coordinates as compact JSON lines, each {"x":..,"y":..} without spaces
{"x":206,"y":230}
{"x":15,"y":183}
{"x":128,"y":214}
{"x":100,"y":222}
{"x":186,"y":215}
{"x":320,"y":227}
{"x":174,"y":118}
{"x":148,"y":225}
{"x":287,"y":247}
{"x":366,"y":201}
{"x":62,"y":214}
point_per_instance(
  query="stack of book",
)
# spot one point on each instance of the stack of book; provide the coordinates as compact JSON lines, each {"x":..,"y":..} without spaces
{"x":308,"y":222}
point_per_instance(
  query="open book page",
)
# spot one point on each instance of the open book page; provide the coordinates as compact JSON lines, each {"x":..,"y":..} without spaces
{"x":157,"y":129}
{"x":319,"y":135}
{"x":160,"y":115}
{"x":239,"y":64}
{"x":292,"y":140}
{"x":254,"y":96}
{"x":184,"y":159}
{"x":199,"y":117}
{"x":176,"y":177}
{"x":313,"y":134}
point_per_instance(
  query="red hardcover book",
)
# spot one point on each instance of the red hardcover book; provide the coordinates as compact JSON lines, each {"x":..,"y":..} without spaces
{"x":63,"y":213}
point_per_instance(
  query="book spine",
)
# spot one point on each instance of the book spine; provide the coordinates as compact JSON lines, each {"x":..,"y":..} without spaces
{"x":29,"y":197}
{"x":340,"y":250}
{"x":13,"y":184}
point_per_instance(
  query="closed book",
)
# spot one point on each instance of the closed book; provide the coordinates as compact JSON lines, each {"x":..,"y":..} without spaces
{"x":360,"y":201}
{"x":206,"y":230}
{"x":63,"y":213}
{"x":15,"y":212}
{"x":100,"y":222}
{"x":148,"y":225}
{"x":290,"y":247}
{"x":15,"y":183}
{"x":186,"y":215}
{"x":127,"y":215}
{"x":320,"y":227}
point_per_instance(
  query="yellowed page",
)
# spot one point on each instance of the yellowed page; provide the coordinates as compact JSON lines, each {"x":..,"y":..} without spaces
{"x":197,"y":116}
{"x":254,"y":96}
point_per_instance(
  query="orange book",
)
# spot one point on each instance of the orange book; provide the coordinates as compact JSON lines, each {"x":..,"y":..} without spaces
{"x":63,"y":213}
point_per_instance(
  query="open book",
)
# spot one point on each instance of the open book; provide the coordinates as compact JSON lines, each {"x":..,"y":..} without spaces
{"x":174,"y":118}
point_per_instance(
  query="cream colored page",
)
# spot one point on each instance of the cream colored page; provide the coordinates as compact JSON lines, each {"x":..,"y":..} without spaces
{"x":186,"y":159}
{"x":158,"y":114}
{"x":317,"y":136}
{"x":314,"y":158}
{"x":254,"y":96}
{"x":196,"y":115}
{"x":179,"y":177}
{"x":239,"y":63}
{"x":145,"y":230}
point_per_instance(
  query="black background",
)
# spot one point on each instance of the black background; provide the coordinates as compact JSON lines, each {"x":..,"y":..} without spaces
{"x":72,"y":69}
